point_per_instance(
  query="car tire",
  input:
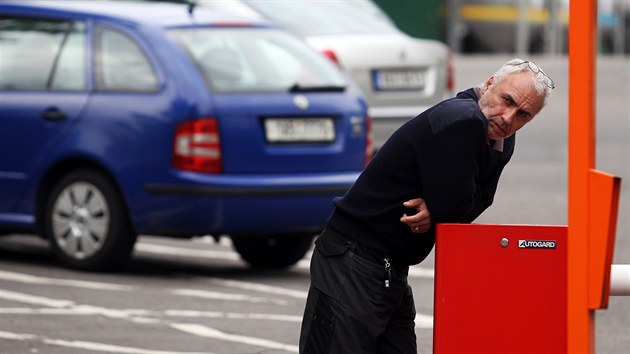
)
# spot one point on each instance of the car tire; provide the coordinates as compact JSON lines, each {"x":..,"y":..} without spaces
{"x":86,"y":222}
{"x":272,"y":252}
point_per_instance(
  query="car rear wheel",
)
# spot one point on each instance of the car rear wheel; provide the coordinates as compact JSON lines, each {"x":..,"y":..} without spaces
{"x":272,"y":252}
{"x":86,"y":222}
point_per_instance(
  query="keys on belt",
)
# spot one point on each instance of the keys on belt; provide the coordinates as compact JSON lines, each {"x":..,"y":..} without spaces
{"x":388,"y":273}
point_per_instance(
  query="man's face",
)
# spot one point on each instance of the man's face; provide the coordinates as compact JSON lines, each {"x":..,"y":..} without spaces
{"x":510,"y":104}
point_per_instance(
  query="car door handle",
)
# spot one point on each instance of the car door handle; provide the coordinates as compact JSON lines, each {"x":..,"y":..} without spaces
{"x":53,"y":114}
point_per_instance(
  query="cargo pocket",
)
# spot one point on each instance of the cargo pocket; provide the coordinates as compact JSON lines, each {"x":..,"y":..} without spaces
{"x":322,"y":326}
{"x":329,"y":265}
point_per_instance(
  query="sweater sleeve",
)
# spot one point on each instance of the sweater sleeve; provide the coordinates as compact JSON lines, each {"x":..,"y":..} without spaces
{"x":489,"y":180}
{"x":450,"y":170}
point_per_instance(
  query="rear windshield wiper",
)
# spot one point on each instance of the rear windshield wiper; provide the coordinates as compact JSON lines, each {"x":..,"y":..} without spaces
{"x":329,"y":88}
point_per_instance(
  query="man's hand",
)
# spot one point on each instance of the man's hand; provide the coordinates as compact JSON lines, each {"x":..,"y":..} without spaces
{"x":420,"y":222}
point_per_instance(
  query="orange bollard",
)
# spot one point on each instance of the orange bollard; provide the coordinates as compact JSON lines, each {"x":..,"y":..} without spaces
{"x":582,"y":54}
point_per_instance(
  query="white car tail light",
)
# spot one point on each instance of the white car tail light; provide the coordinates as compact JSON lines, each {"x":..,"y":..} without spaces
{"x":197,"y":146}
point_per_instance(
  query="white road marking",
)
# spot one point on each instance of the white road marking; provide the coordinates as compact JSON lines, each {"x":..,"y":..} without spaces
{"x":17,"y":336}
{"x":70,"y":305}
{"x":99,"y":347}
{"x":264,"y":288}
{"x":304,"y":264}
{"x":209,"y":332}
{"x":38,"y":311}
{"x":224,"y":241}
{"x":187,"y":252}
{"x":424,"y":321}
{"x":76,"y":311}
{"x":227,"y":296}
{"x":82,"y":310}
{"x":33,"y":279}
{"x":34,"y":300}
{"x":232,"y":315}
{"x":421,"y":272}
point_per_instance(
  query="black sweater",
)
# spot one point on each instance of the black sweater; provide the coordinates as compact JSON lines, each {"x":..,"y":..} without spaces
{"x":442,"y":155}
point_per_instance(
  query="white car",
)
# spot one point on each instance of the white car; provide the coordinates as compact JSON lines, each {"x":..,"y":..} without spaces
{"x":400,"y":76}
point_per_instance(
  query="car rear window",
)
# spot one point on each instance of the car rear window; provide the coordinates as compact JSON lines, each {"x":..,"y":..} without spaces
{"x":42,"y":54}
{"x":321,"y":18}
{"x":256,"y":59}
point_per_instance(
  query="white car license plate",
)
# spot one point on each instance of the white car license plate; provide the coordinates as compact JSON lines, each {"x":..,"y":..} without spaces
{"x":409,"y":79}
{"x":289,"y":130}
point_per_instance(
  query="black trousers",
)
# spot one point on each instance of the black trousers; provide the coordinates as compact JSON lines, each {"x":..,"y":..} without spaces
{"x":349,"y":309}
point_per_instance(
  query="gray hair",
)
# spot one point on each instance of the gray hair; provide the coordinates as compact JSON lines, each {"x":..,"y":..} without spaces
{"x":542,"y":83}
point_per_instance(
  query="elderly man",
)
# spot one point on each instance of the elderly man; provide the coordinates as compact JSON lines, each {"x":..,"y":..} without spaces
{"x":441,"y":166}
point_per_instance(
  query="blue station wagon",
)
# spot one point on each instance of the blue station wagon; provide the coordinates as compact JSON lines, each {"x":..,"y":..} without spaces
{"x":125,"y":119}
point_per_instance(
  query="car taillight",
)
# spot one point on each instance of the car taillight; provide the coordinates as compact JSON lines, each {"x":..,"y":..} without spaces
{"x":197,"y":147}
{"x":328,"y":53}
{"x":369,"y":141}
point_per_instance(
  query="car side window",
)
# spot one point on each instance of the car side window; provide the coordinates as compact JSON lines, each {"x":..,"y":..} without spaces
{"x":122,"y":65}
{"x":70,"y":73}
{"x":41,"y":54}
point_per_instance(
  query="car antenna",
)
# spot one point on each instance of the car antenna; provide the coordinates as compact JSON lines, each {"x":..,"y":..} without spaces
{"x":191,"y":6}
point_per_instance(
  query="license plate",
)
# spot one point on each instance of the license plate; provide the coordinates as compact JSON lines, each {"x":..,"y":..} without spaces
{"x":291,"y":130}
{"x":408,"y":79}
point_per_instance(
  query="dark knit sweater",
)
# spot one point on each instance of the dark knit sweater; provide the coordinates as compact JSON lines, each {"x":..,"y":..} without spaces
{"x":442,"y":155}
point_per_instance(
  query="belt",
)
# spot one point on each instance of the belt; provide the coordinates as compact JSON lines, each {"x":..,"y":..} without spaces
{"x":374,"y":256}
{"x":381,"y":259}
{"x":369,"y":254}
{"x":357,"y":247}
